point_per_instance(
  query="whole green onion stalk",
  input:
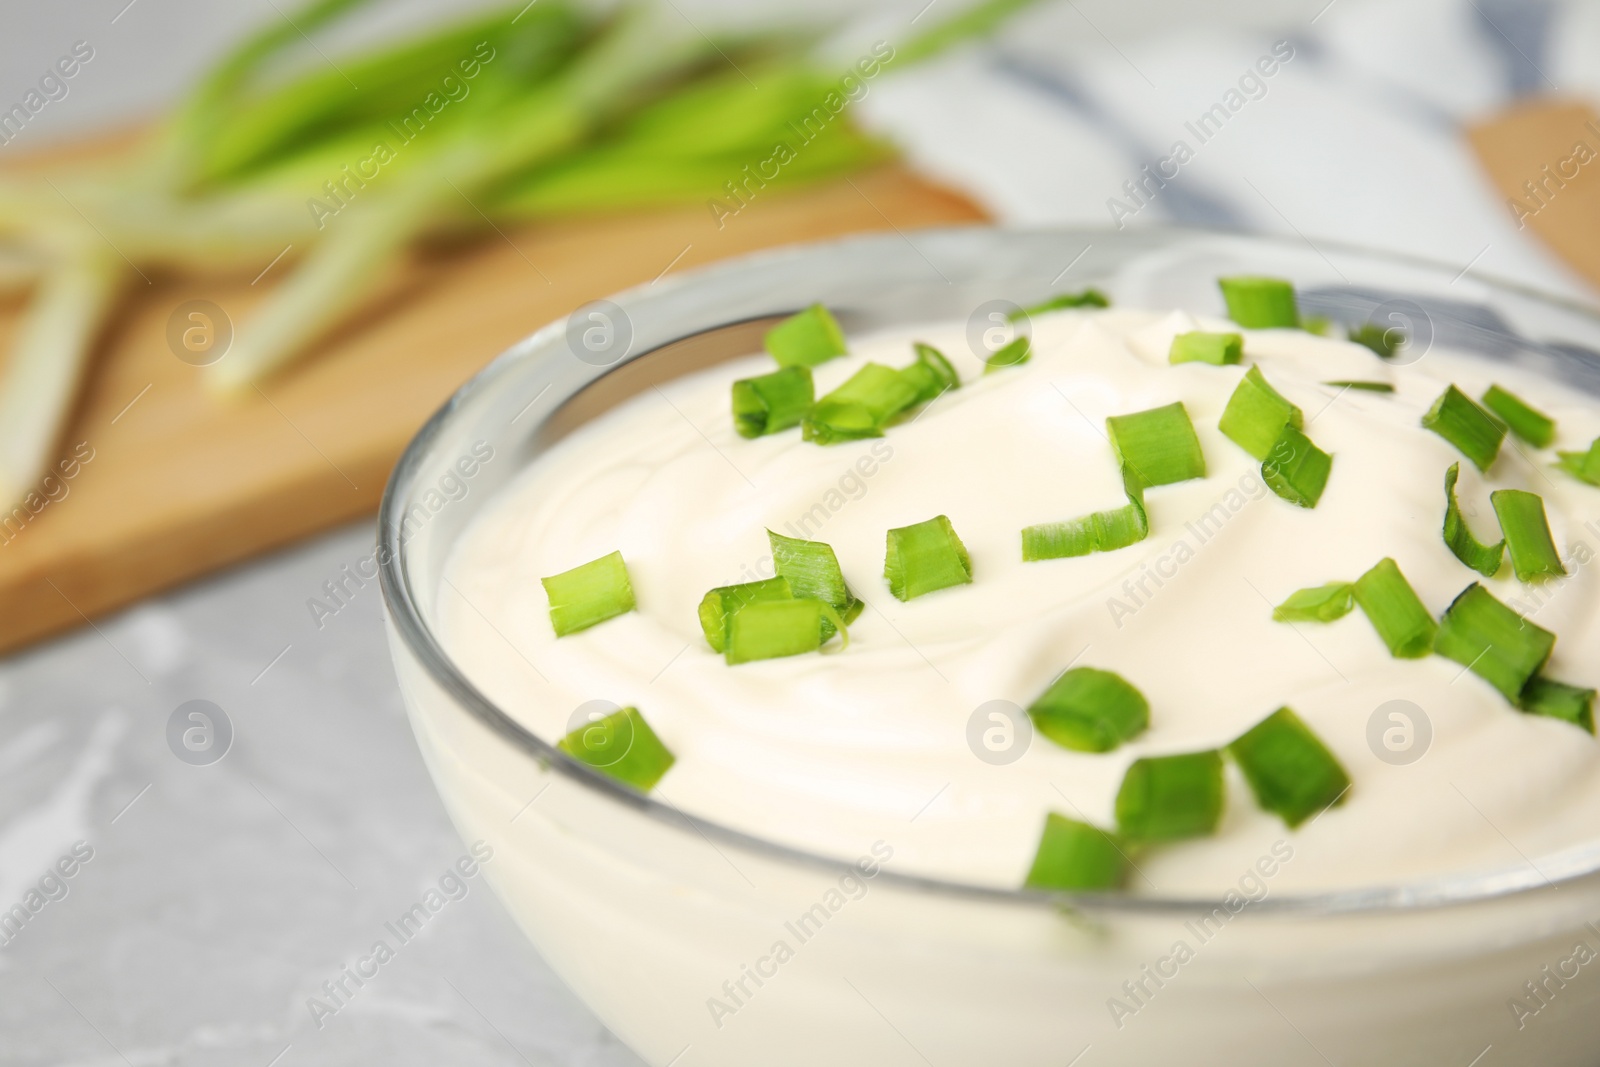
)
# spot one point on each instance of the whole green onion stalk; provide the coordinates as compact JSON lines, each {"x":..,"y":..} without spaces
{"x":538,"y":111}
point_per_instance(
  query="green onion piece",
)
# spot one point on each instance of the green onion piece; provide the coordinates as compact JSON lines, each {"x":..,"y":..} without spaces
{"x":931,"y":374}
{"x":1320,"y":325}
{"x":772,"y":402}
{"x":806,"y":338}
{"x":1464,"y":424}
{"x":1584,"y":466}
{"x":861,"y":407}
{"x":1366,"y":387}
{"x":1384,"y":340}
{"x":591,"y":593}
{"x":1197,"y":346}
{"x":924,"y":557}
{"x":1558,"y":700}
{"x":1321,"y":603}
{"x":1493,"y":641}
{"x":1159,"y":446}
{"x":1527,"y":532}
{"x":768,"y":629}
{"x":623,"y":746}
{"x":1256,"y":415}
{"x":1297,"y":470}
{"x":1167,"y":798}
{"x":1102,"y":531}
{"x":1485,"y":559}
{"x":1290,"y":770}
{"x":1395,"y":611}
{"x":813,"y":570}
{"x":1089,"y":710}
{"x":1087,"y":298}
{"x":720,"y":605}
{"x":1075,"y":855}
{"x":1258,"y":303}
{"x":1534,"y":427}
{"x":1014,"y":354}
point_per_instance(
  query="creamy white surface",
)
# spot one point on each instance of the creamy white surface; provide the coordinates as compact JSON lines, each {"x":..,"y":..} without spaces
{"x":833,"y":752}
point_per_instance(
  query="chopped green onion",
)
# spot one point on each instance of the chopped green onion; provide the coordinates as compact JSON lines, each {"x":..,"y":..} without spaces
{"x":1013,"y":354}
{"x":1197,"y":346}
{"x":623,"y":746}
{"x":931,"y":374}
{"x":1102,"y":531}
{"x":1258,"y":303}
{"x":1167,"y":798}
{"x":1527,"y":532}
{"x":1534,"y":427}
{"x":1089,"y":710}
{"x":1584,"y":466}
{"x":772,"y":402}
{"x":1159,"y":446}
{"x":861,"y":407}
{"x":768,"y":629}
{"x":1493,"y":641}
{"x":1256,"y":415}
{"x":1395,"y":611}
{"x":1297,"y":470}
{"x":1366,"y":387}
{"x":925,"y":557}
{"x":1320,"y":325}
{"x":1485,"y":559}
{"x":1321,"y":603}
{"x":1290,"y":770}
{"x":813,"y":570}
{"x":806,"y":338}
{"x":720,"y":605}
{"x":587,"y":594}
{"x":1087,"y":298}
{"x":1558,"y":700}
{"x":1384,"y":340}
{"x":1456,"y":418}
{"x":1075,"y":855}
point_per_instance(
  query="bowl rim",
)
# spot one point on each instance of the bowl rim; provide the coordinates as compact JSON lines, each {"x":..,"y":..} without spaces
{"x":408,"y":621}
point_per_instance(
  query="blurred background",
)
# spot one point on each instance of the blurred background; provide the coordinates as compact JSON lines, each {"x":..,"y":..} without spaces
{"x":223,"y":311}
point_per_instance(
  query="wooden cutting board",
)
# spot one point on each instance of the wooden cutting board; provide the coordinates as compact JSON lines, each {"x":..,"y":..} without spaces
{"x":178,"y":484}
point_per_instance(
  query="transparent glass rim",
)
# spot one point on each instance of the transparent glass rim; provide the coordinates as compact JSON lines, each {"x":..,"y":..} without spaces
{"x":411,"y":625}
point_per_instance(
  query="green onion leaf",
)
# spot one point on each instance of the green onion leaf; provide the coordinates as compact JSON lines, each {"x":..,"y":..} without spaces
{"x":1089,"y":710}
{"x":1159,"y":446}
{"x":806,"y":338}
{"x":1485,"y":559}
{"x":1075,"y":855}
{"x":931,"y":375}
{"x":1384,"y":340}
{"x":924,"y":557}
{"x":812,"y":570}
{"x":1584,"y":466}
{"x":1527,"y":532}
{"x":623,"y":746}
{"x":1464,"y":424}
{"x":1102,"y":531}
{"x":861,"y":407}
{"x":1395,"y":611}
{"x":1290,"y":770}
{"x":1320,"y":325}
{"x":1321,"y":603}
{"x":769,"y":629}
{"x":1168,"y":798}
{"x":1534,"y":427}
{"x":1197,"y":346}
{"x":1366,"y":387}
{"x":591,"y":593}
{"x":772,"y":402}
{"x":1087,"y":298}
{"x":1257,"y":414}
{"x":1558,"y":700}
{"x":720,"y":605}
{"x":1297,"y":470}
{"x":1013,"y":354}
{"x":1493,"y":641}
{"x":1258,"y":303}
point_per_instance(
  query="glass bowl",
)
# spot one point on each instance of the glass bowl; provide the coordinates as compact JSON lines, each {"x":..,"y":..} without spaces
{"x":702,"y":946}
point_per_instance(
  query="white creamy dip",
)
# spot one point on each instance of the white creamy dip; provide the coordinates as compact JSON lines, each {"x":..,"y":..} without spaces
{"x":833,"y":752}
